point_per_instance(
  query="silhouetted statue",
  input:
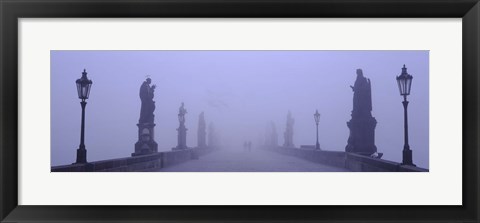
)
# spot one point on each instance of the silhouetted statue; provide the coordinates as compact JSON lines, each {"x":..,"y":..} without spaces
{"x":148,"y":105}
{"x":362,"y":125}
{"x":146,"y":143}
{"x":181,"y":114}
{"x":362,"y":95}
{"x":201,"y":134}
{"x":288,"y":135}
{"x":182,"y":130}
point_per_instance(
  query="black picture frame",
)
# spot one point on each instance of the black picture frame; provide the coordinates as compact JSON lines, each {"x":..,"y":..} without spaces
{"x":12,"y":10}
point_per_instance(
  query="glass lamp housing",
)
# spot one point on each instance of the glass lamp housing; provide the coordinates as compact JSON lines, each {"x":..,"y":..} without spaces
{"x":404,"y":82}
{"x":316,"y":116}
{"x":83,"y":86}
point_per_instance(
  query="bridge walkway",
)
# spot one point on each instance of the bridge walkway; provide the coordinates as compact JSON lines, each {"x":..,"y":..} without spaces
{"x":238,"y":160}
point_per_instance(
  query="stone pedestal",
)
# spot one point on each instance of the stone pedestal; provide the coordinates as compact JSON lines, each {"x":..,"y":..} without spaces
{"x":146,"y":143}
{"x":182,"y":138}
{"x":362,"y":135}
{"x":288,"y":135}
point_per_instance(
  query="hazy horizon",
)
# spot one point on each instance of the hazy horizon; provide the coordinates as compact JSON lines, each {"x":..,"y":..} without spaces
{"x":240,"y":92}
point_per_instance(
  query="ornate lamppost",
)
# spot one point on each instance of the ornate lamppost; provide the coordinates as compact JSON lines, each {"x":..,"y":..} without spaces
{"x":83,"y":89}
{"x":404,"y":85}
{"x":317,"y":120}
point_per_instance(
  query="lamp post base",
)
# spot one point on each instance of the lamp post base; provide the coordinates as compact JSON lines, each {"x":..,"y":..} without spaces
{"x":81,"y":156}
{"x":317,"y":146}
{"x":407,"y":157}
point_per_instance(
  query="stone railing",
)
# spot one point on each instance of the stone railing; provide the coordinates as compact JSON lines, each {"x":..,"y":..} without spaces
{"x":349,"y":161}
{"x":137,"y":163}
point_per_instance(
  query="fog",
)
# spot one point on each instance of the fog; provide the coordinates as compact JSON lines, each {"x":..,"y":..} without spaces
{"x":241,"y":92}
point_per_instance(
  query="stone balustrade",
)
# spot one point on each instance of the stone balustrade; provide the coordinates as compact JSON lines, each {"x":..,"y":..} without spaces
{"x":350,"y":161}
{"x":141,"y":163}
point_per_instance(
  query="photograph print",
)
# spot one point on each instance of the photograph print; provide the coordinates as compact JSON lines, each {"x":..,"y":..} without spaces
{"x":239,"y":111}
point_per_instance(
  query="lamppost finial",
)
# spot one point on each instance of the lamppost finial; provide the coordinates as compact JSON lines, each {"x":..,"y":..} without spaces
{"x":404,"y":70}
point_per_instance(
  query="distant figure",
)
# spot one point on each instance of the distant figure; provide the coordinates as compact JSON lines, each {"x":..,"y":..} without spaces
{"x":148,"y":105}
{"x":181,"y":114}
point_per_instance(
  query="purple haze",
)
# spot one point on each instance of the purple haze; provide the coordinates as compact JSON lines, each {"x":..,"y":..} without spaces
{"x":239,"y":91}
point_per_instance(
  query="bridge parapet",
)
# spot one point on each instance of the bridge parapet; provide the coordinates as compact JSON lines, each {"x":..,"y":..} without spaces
{"x":141,"y":163}
{"x":332,"y":158}
{"x":350,"y":161}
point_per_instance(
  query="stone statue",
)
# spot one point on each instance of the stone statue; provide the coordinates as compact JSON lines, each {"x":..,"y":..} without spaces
{"x":362,"y":95}
{"x":148,"y":105}
{"x":182,"y":130}
{"x":201,"y":134}
{"x":146,"y":127}
{"x":181,"y":114}
{"x":288,"y":135}
{"x":362,"y":125}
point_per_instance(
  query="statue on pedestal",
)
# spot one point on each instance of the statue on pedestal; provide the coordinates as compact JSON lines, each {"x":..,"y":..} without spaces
{"x":202,"y":133}
{"x":288,"y":135}
{"x":362,"y":125}
{"x":182,"y":130}
{"x":146,"y":143}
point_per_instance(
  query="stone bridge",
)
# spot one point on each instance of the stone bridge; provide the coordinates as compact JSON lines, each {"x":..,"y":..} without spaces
{"x":256,"y":160}
{"x":270,"y":158}
{"x":266,"y":159}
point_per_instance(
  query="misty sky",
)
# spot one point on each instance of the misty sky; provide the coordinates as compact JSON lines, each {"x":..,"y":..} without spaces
{"x":239,"y":91}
